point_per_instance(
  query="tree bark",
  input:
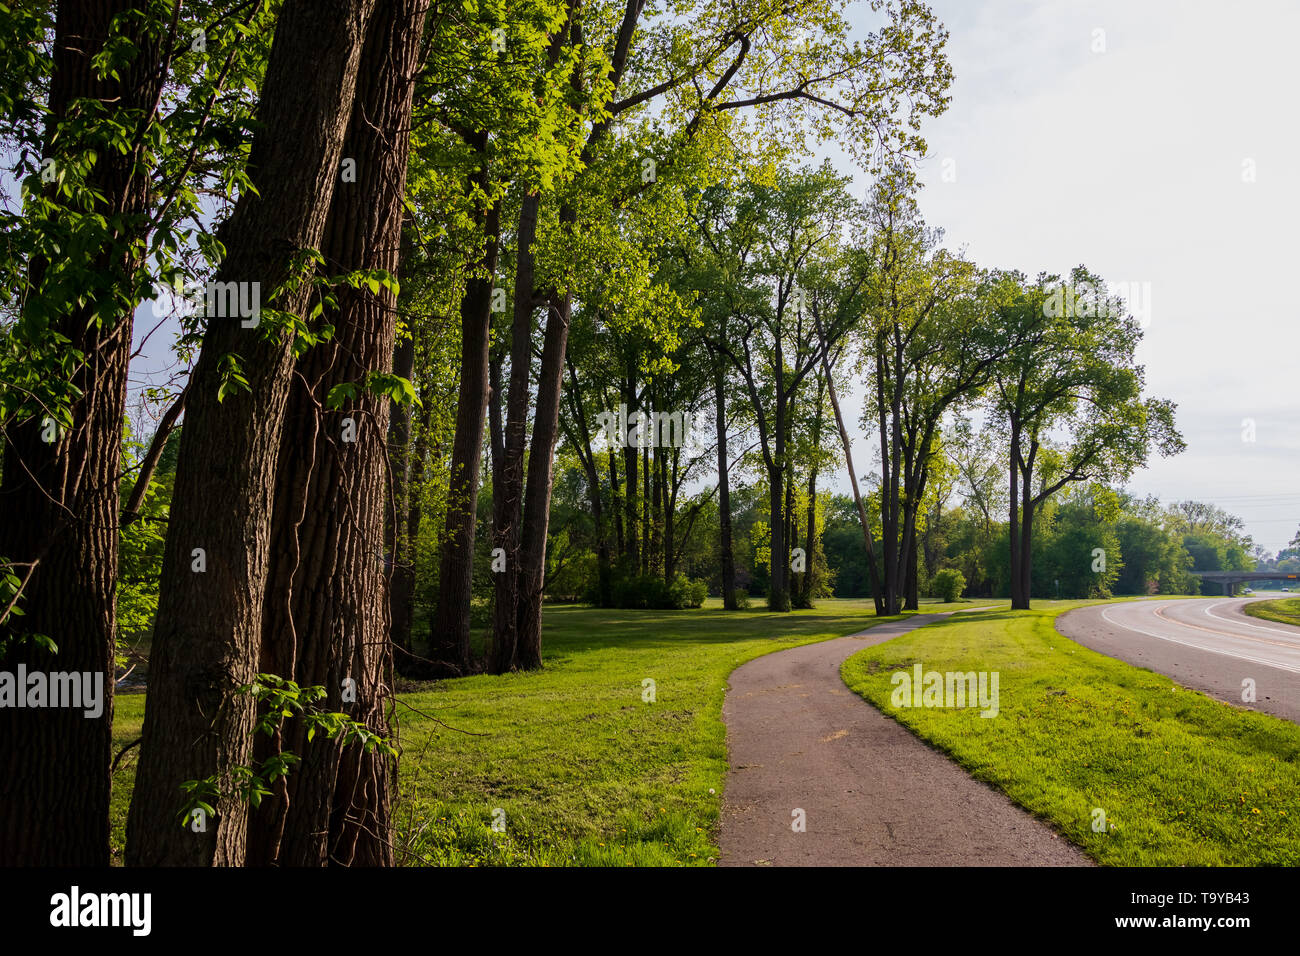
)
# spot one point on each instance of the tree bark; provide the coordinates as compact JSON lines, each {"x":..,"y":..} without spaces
{"x":327,"y":616}
{"x":60,"y":499}
{"x":401,"y":543}
{"x":853,"y":481}
{"x":537,"y":495}
{"x":507,"y":498}
{"x":724,"y":491}
{"x":197,"y":724}
{"x":1019,"y":599}
{"x":449,"y":640}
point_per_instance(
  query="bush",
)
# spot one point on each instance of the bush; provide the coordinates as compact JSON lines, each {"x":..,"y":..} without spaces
{"x":651,"y":592}
{"x":948,"y":584}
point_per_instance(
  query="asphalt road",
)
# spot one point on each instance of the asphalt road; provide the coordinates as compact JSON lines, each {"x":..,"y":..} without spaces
{"x":1208,"y":644}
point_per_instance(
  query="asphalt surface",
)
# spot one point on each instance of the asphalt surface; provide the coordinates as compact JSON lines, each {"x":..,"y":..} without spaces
{"x":1208,"y":644}
{"x":871,"y":793}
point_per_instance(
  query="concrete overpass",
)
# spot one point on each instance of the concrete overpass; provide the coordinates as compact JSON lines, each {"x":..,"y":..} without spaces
{"x":1228,"y":580}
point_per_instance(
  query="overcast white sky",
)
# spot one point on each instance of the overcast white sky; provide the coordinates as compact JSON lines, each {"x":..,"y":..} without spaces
{"x":1131,"y":161}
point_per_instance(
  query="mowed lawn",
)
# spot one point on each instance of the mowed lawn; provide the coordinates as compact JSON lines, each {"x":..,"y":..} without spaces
{"x":583,"y":769}
{"x":1283,"y":610}
{"x":1181,"y":778}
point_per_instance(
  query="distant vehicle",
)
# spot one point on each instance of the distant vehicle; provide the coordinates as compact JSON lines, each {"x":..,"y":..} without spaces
{"x":1247,"y":590}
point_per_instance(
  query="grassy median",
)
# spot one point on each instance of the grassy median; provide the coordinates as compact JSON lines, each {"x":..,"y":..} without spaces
{"x":584,"y":770}
{"x":1283,"y":610}
{"x":1183,"y":780}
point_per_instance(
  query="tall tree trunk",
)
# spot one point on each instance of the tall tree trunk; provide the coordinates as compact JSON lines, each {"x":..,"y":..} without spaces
{"x":631,"y":498}
{"x":657,"y":507}
{"x":326,"y":621}
{"x":616,"y":502}
{"x":646,"y":514}
{"x":778,"y":598}
{"x":508,"y":508}
{"x":670,"y":523}
{"x":853,"y":481}
{"x":507,"y":501}
{"x":537,"y":495}
{"x":724,"y":491}
{"x":810,"y":533}
{"x":197,"y":724}
{"x":1019,"y":600}
{"x":60,"y":499}
{"x":581,"y":436}
{"x":1026,"y":536}
{"x":401,"y":545}
{"x":449,"y":641}
{"x":888,"y":486}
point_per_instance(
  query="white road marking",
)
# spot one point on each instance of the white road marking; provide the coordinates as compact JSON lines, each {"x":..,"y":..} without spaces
{"x":1292,"y":633}
{"x":1200,"y":647}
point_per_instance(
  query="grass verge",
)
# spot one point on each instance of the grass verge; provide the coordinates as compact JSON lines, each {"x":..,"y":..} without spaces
{"x":1183,"y":780}
{"x":1282,"y":611}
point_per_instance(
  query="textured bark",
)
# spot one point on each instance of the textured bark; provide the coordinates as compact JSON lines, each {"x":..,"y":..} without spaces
{"x":616,"y":502}
{"x":537,"y":495}
{"x":327,"y":617}
{"x":401,"y":542}
{"x":646,"y":516}
{"x":631,"y":468}
{"x":507,"y":494}
{"x":778,"y":597}
{"x":1019,"y":599}
{"x":724,"y":492}
{"x":60,"y":499}
{"x":449,"y":640}
{"x":209,"y":625}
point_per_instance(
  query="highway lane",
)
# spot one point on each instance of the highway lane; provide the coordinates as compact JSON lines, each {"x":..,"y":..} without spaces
{"x":1208,"y":644}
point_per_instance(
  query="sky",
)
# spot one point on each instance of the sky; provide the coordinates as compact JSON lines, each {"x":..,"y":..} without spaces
{"x":1161,"y":151}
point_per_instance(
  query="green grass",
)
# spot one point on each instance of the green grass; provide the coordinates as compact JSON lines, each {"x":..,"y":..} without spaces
{"x":1283,"y":610}
{"x":584,"y":770}
{"x":1182,"y":779}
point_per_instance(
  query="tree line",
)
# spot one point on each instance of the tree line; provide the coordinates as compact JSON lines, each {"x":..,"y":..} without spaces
{"x":377,"y":222}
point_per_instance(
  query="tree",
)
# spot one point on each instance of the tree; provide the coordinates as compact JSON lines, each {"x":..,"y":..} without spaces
{"x":197,"y":724}
{"x":326,"y":623}
{"x":1070,"y":370}
{"x":773,"y":236}
{"x":931,"y":345}
{"x":506,"y":93}
{"x":720,"y":62}
{"x":82,"y":274}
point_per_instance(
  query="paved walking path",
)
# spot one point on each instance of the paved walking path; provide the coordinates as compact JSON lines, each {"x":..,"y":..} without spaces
{"x":872,"y":793}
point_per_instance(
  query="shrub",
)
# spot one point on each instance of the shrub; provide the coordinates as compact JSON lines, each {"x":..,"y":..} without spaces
{"x":948,"y":584}
{"x":651,"y":592}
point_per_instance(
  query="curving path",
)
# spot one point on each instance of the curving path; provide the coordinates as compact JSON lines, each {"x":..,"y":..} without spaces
{"x":1208,"y":644}
{"x":872,"y":793}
